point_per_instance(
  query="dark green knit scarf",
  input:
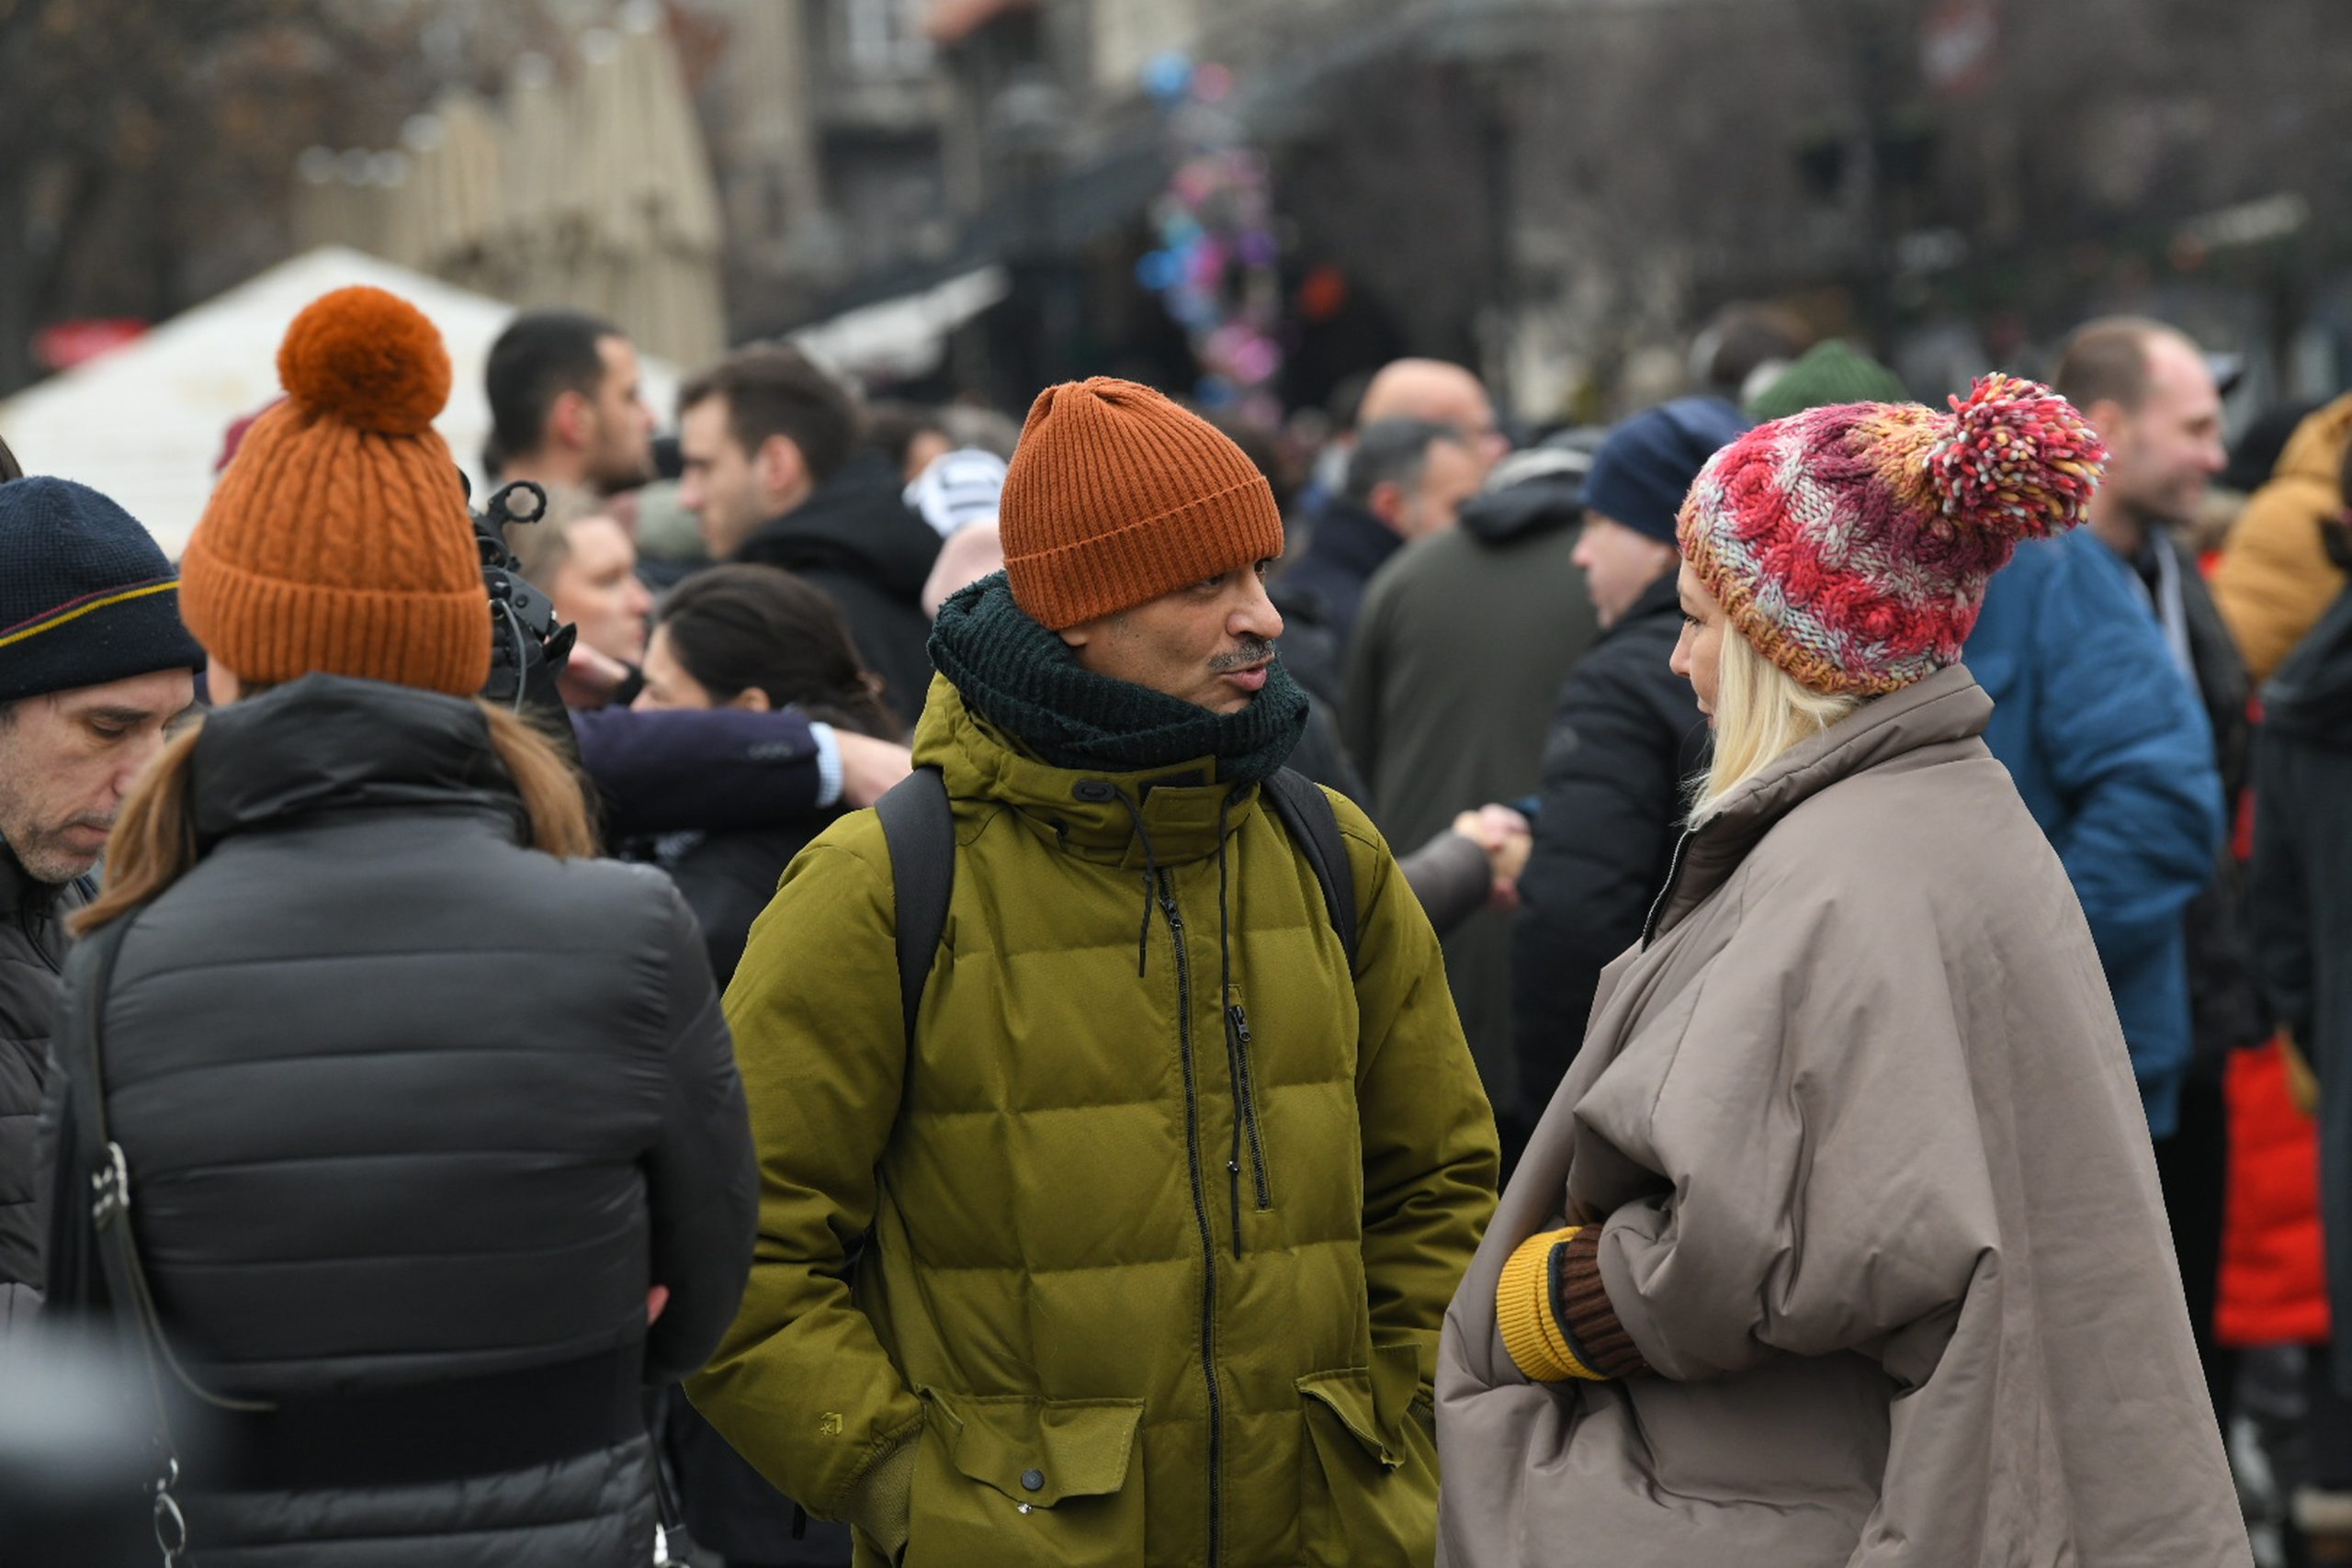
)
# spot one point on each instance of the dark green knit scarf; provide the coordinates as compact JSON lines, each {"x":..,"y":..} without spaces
{"x":1027,"y":682}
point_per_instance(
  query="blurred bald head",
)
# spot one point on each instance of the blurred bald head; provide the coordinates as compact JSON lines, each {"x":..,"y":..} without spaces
{"x":1440,"y":394}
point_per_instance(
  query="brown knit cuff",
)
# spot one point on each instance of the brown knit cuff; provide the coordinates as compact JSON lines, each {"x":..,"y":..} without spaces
{"x":1101,"y":574}
{"x":272,"y":629}
{"x":1581,"y":1304}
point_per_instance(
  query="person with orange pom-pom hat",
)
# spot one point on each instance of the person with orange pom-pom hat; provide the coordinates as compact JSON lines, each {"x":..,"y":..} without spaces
{"x":339,"y":539}
{"x":440,"y":1152}
{"x":1841,"y":1241}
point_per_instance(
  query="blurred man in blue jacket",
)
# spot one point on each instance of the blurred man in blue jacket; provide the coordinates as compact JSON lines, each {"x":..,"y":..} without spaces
{"x":2108,"y":740}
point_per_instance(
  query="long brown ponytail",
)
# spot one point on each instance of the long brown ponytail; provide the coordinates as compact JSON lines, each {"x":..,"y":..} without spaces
{"x":154,"y":841}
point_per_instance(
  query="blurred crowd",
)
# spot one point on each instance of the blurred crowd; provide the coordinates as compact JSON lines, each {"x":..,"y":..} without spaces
{"x":783,"y":598}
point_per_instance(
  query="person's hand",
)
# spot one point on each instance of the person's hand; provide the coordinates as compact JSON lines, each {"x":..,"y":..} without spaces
{"x":869,"y":767}
{"x":589,"y":678}
{"x":655,"y":1300}
{"x":1507,"y":839}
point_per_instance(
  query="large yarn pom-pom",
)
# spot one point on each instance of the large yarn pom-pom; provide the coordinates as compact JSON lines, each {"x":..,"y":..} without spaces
{"x":368,"y":358}
{"x":2016,"y":459}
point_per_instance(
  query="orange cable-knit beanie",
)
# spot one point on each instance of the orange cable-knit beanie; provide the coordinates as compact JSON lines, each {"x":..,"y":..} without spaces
{"x":1117,"y":496}
{"x":337,"y":540}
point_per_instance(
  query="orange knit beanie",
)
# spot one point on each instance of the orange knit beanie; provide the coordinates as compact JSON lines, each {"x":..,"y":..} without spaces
{"x":337,"y":540}
{"x":1117,"y":496}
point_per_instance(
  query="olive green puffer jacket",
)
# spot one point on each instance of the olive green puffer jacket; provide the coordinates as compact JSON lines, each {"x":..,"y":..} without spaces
{"x":1160,"y":1218}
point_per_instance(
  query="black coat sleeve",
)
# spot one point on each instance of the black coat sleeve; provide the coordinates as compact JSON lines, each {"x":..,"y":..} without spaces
{"x":701,"y":1181}
{"x":716,"y":770}
{"x":1611,"y":802}
{"x":2283,"y":917}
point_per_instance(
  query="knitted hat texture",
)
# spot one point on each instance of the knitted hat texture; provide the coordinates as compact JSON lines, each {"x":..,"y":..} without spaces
{"x":85,"y":594}
{"x":1851,"y":544}
{"x":1829,"y":372}
{"x":337,"y":540}
{"x":1117,"y":496}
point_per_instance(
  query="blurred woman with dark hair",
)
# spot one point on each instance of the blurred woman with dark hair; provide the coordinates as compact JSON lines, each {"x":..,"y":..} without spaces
{"x":757,"y":637}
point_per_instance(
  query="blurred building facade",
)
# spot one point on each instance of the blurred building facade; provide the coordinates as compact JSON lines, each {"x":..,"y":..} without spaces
{"x":1556,"y":191}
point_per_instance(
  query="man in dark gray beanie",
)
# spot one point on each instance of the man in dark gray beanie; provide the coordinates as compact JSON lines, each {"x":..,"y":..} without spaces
{"x":1627,"y":737}
{"x":94,"y":667}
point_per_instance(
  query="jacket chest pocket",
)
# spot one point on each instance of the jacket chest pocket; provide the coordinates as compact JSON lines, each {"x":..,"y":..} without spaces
{"x":1368,"y":1474}
{"x":1014,"y":1479}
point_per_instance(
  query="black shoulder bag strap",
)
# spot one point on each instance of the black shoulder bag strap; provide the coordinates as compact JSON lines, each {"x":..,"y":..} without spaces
{"x":107,"y":1203}
{"x":1306,"y":814}
{"x":919,"y":826}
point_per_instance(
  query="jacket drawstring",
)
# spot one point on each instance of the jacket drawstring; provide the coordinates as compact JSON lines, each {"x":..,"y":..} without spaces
{"x":1151,"y":878}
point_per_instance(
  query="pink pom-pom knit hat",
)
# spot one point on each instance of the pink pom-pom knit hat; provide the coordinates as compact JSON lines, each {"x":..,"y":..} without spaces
{"x":1851,"y":544}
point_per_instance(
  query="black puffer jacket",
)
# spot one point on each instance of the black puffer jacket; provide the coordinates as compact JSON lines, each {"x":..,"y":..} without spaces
{"x":1628,"y":737}
{"x":32,"y":949}
{"x":858,"y":540}
{"x":415,"y":1117}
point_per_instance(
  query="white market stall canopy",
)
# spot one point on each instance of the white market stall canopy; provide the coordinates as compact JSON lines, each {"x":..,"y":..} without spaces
{"x":908,"y":336}
{"x":144,"y":423}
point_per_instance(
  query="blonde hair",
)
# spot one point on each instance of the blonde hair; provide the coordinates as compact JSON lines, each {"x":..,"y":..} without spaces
{"x":1761,"y":710}
{"x":154,"y":841}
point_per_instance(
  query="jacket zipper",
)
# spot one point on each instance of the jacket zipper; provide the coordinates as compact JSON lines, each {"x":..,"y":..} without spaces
{"x":1201,"y":1214}
{"x":1673,"y":870}
{"x":31,"y":926}
{"x":1236,"y":1023}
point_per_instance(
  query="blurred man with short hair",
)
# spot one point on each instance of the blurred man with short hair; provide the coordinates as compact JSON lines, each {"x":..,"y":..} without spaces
{"x":566,"y":406}
{"x":778,"y":472}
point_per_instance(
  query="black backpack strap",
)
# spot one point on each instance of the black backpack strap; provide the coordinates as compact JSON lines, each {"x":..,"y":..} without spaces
{"x":919,"y":826}
{"x":1306,"y":814}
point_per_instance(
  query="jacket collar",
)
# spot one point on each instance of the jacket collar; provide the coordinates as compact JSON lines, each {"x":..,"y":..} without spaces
{"x":18,"y":892}
{"x":856,"y":521}
{"x":1661,"y":598}
{"x":331,"y":743}
{"x":1163,"y":817}
{"x":1946,"y":706}
{"x":1350,"y":537}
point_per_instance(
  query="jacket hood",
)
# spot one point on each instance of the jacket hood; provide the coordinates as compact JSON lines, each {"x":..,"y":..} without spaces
{"x":1542,"y":505}
{"x":1946,"y":706}
{"x":2311,"y":696}
{"x":857,"y":522}
{"x":2317,"y":449}
{"x":334,"y":743}
{"x":1162,"y":816}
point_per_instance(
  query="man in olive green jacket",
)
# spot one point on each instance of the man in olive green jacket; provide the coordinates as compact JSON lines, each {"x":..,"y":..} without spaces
{"x":1139,"y":1251}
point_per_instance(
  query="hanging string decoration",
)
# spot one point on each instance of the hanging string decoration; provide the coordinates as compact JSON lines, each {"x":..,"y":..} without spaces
{"x":1217,"y":267}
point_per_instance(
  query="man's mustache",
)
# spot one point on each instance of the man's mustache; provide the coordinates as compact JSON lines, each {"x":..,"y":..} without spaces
{"x":1253,"y":650}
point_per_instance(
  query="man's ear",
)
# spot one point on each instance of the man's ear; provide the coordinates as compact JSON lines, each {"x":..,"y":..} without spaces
{"x":1387,"y":502}
{"x":782,"y":471}
{"x":2111,"y":420}
{"x":568,"y":419}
